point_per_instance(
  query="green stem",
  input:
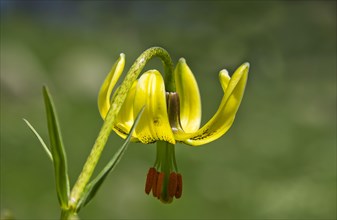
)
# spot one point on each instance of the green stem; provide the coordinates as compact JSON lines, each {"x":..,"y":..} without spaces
{"x":117,"y":102}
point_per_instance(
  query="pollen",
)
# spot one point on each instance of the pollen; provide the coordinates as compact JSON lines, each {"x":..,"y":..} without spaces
{"x":149,"y":180}
{"x":172,"y":184}
{"x":179,"y":186}
{"x":160,"y":182}
{"x":154,"y":185}
{"x":163,"y":186}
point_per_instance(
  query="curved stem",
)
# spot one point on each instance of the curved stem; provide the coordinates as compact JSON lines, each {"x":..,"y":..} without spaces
{"x":117,"y":102}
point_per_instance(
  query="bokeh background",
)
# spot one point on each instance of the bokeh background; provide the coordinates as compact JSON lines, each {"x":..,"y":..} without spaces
{"x":277,"y":161}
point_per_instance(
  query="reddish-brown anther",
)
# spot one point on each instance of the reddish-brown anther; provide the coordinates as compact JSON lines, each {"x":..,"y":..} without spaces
{"x":179,"y":186}
{"x":154,"y":185}
{"x":160,"y":182}
{"x":172,"y":184}
{"x":149,"y":180}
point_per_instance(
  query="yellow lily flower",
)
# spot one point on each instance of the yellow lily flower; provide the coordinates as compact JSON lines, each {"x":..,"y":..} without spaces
{"x":171,"y":117}
{"x":154,"y":125}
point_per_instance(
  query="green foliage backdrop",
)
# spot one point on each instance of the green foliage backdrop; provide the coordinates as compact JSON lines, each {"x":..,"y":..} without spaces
{"x":277,"y":161}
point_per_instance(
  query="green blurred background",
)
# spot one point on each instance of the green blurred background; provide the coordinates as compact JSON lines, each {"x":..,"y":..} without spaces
{"x":277,"y":161}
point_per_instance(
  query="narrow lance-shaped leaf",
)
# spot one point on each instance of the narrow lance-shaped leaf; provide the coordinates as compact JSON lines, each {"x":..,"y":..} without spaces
{"x":57,"y":151}
{"x":40,"y":139}
{"x":96,"y":183}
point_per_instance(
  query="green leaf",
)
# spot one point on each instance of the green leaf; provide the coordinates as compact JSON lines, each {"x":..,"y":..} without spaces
{"x":57,"y":151}
{"x":40,"y":139}
{"x":95,"y":184}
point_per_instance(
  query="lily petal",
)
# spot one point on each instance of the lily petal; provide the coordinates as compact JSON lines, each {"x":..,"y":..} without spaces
{"x":154,"y":123}
{"x":125,"y":118}
{"x":108,"y":85}
{"x":224,"y":79}
{"x":224,"y":117}
{"x":188,"y":91}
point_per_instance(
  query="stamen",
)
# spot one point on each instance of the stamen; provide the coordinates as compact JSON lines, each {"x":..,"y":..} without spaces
{"x":172,"y":184}
{"x":154,"y":185}
{"x":149,"y":180}
{"x":179,"y":186}
{"x":163,"y":179}
{"x":160,"y":182}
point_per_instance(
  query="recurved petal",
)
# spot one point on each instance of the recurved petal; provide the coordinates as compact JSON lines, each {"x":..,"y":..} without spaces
{"x":224,"y":117}
{"x":188,"y":91}
{"x":125,"y":117}
{"x":154,"y":123}
{"x":108,"y":85}
{"x":224,"y":79}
